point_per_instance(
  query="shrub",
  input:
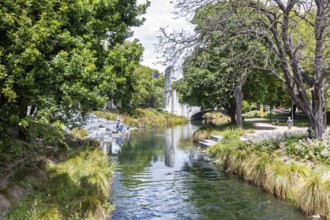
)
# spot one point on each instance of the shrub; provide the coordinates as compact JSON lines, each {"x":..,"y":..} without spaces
{"x":200,"y":135}
{"x":315,"y":150}
{"x":217,"y":118}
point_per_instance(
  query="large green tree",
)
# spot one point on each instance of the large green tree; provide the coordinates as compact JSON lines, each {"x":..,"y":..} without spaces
{"x":149,"y":88}
{"x":216,"y":72}
{"x":297,"y":35}
{"x":61,"y":59}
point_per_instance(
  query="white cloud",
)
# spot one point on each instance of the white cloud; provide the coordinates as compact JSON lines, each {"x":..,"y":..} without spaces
{"x":159,"y":14}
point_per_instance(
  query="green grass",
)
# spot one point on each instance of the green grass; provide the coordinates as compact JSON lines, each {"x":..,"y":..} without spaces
{"x":77,"y":188}
{"x":229,"y":143}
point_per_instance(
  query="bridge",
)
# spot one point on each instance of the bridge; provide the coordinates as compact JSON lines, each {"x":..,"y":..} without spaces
{"x":172,"y":104}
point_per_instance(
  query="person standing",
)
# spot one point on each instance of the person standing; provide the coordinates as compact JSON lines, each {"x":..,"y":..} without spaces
{"x":289,"y":122}
{"x":118,"y":124}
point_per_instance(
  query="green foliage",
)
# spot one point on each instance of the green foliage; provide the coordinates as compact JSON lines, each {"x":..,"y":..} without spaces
{"x":75,"y":189}
{"x":36,"y":135}
{"x":150,"y":90}
{"x":200,"y":135}
{"x":214,"y":71}
{"x":228,"y":144}
{"x":265,"y":146}
{"x":252,"y":114}
{"x":121,"y":63}
{"x":314,"y":150}
{"x":11,"y":149}
{"x":217,"y":118}
{"x":63,"y":59}
{"x":247,"y":107}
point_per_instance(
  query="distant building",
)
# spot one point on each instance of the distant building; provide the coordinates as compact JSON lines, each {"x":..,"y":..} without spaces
{"x":172,"y":104}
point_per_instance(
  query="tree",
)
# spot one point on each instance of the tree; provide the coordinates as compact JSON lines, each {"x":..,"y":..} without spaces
{"x":221,"y":67}
{"x":123,"y":61}
{"x":149,"y":88}
{"x":304,"y":63}
{"x":55,"y":56}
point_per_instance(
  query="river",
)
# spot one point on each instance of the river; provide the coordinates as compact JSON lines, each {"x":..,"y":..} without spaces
{"x":161,"y":175}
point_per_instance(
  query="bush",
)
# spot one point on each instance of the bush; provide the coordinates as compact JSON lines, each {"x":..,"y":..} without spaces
{"x":314,"y":150}
{"x":217,"y":118}
{"x":200,"y":135}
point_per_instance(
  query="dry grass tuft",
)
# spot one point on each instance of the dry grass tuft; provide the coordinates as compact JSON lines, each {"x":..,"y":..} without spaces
{"x":281,"y":178}
{"x":255,"y":167}
{"x":314,"y":196}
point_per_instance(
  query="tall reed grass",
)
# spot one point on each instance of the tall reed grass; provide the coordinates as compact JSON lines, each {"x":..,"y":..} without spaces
{"x":261,"y":163}
{"x":313,"y":196}
{"x":281,"y":178}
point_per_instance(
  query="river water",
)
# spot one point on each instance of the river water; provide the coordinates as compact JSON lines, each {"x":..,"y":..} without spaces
{"x":161,"y":175}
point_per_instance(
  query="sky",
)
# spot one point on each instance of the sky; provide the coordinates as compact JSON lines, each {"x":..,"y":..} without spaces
{"x":159,"y":14}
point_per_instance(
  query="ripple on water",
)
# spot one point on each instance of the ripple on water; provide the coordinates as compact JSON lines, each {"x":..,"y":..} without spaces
{"x":190,"y":189}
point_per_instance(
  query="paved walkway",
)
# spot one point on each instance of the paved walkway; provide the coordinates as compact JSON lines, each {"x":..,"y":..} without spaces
{"x":267,"y":131}
{"x":267,"y":127}
{"x":105,"y":132}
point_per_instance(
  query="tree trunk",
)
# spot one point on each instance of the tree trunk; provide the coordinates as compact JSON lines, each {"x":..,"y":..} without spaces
{"x":238,"y":94}
{"x":293,"y":111}
{"x":233,"y":118}
{"x":230,"y":107}
{"x":318,"y":115}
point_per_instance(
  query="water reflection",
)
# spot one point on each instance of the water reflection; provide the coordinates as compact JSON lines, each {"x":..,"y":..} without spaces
{"x":160,"y":176}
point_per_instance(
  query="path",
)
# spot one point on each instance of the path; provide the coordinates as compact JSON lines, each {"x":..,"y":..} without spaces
{"x":266,"y":131}
{"x":105,"y":132}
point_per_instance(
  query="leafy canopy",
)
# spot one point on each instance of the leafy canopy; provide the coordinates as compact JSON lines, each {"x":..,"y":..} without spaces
{"x":61,"y":59}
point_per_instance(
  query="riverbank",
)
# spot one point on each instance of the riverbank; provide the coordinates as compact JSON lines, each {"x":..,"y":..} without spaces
{"x":144,"y":118}
{"x":54,"y":176}
{"x":280,"y":161}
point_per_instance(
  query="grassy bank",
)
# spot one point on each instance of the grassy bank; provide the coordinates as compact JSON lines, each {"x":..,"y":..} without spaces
{"x":218,"y":126}
{"x":292,"y":168}
{"x":55,"y":176}
{"x":144,"y":118}
{"x":77,"y":188}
